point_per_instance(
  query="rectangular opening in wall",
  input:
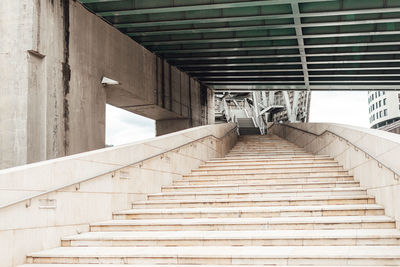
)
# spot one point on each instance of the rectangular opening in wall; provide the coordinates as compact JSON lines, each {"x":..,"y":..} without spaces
{"x":123,"y":127}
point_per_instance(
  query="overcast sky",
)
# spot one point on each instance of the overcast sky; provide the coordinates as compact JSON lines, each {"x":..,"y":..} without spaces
{"x":345,"y":107}
{"x":124,"y":127}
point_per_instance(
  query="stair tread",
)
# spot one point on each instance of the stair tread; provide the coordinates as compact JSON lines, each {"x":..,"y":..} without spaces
{"x":252,"y":209}
{"x":276,"y":191}
{"x":169,"y":265}
{"x":262,"y":173}
{"x":264,"y":234}
{"x":249,"y":178}
{"x":231,"y":251}
{"x":257,"y":184}
{"x":328,"y":219}
{"x":288,"y":198}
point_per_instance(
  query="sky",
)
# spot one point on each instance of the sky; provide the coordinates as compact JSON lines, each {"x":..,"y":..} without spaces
{"x":346,"y":107}
{"x":125,"y":127}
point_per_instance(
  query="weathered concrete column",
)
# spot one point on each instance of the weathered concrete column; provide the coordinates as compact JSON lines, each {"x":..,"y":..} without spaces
{"x":53,"y":56}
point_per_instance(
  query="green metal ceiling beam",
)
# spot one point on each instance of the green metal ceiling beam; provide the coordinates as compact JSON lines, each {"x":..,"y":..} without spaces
{"x":252,"y":18}
{"x":255,"y":48}
{"x":284,"y":56}
{"x":209,"y":6}
{"x":260,"y":27}
{"x":284,"y":37}
{"x":246,"y":88}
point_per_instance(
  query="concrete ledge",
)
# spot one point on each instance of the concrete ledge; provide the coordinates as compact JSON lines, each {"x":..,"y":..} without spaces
{"x":39,"y":223}
{"x":372,"y":156}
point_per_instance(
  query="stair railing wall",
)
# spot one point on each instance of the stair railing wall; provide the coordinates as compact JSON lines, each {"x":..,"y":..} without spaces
{"x":371,"y":156}
{"x":125,"y":174}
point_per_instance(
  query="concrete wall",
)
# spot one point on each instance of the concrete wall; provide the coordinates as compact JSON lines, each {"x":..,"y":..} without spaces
{"x":53,"y":55}
{"x":372,"y":156}
{"x":40,"y":223}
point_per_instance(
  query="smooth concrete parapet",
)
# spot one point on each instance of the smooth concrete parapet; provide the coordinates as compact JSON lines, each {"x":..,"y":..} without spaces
{"x":39,"y":223}
{"x":372,"y":156}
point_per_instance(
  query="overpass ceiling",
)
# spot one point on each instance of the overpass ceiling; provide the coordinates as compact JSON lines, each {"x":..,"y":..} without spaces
{"x":269,"y":44}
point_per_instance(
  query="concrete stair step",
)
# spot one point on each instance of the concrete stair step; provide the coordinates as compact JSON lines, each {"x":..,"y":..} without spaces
{"x":259,"y":193}
{"x":210,"y":166}
{"x":271,"y":158}
{"x":344,"y":237}
{"x":266,"y":169}
{"x":270,"y":174}
{"x":253,"y":255}
{"x":267,"y":160}
{"x":240,"y":180}
{"x":251,"y":212}
{"x":160,"y":265}
{"x":270,"y":154}
{"x":256,"y":202}
{"x":262,"y":151}
{"x":231,"y":224}
{"x":260,"y":147}
{"x":259,"y":186}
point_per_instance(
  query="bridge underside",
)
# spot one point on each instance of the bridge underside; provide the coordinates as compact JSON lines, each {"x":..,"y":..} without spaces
{"x":258,"y":45}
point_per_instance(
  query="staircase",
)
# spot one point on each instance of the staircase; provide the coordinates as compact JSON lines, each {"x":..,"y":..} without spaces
{"x":247,"y":127}
{"x":266,"y":203}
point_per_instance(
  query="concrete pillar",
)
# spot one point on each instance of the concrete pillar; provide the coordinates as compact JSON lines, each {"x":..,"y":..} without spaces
{"x":53,"y":55}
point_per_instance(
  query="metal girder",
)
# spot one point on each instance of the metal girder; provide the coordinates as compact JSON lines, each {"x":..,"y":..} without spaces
{"x":246,"y":88}
{"x":263,"y":38}
{"x":259,"y":17}
{"x":300,"y":41}
{"x":260,"y":27}
{"x":352,"y":76}
{"x":258,"y":48}
{"x":287,"y":63}
{"x":209,"y":6}
{"x":284,"y":56}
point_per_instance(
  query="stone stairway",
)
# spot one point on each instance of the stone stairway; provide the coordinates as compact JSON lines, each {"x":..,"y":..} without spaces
{"x":266,"y":203}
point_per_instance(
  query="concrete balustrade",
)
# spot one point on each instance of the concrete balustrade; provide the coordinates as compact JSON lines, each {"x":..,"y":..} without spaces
{"x":40,"y":223}
{"x":372,"y":156}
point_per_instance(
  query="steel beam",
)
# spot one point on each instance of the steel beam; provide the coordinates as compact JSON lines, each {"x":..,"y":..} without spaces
{"x":246,"y":88}
{"x":252,"y":18}
{"x":332,"y":62}
{"x":300,"y":40}
{"x":209,"y":6}
{"x":260,"y":48}
{"x":188,"y":58}
{"x":266,"y":38}
{"x":258,"y":27}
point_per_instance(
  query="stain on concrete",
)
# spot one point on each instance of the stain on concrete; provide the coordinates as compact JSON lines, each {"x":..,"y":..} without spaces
{"x":66,"y":72}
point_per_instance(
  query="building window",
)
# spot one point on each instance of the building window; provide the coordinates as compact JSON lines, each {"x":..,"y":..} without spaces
{"x":380,"y":114}
{"x":380,"y":103}
{"x":372,"y":96}
{"x":383,"y":92}
{"x":385,"y":112}
{"x":379,"y":93}
{"x":376,"y":94}
{"x":384,"y":101}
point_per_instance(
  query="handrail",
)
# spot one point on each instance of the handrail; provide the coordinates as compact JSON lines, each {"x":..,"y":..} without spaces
{"x":396,"y":174}
{"x":110,"y":172}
